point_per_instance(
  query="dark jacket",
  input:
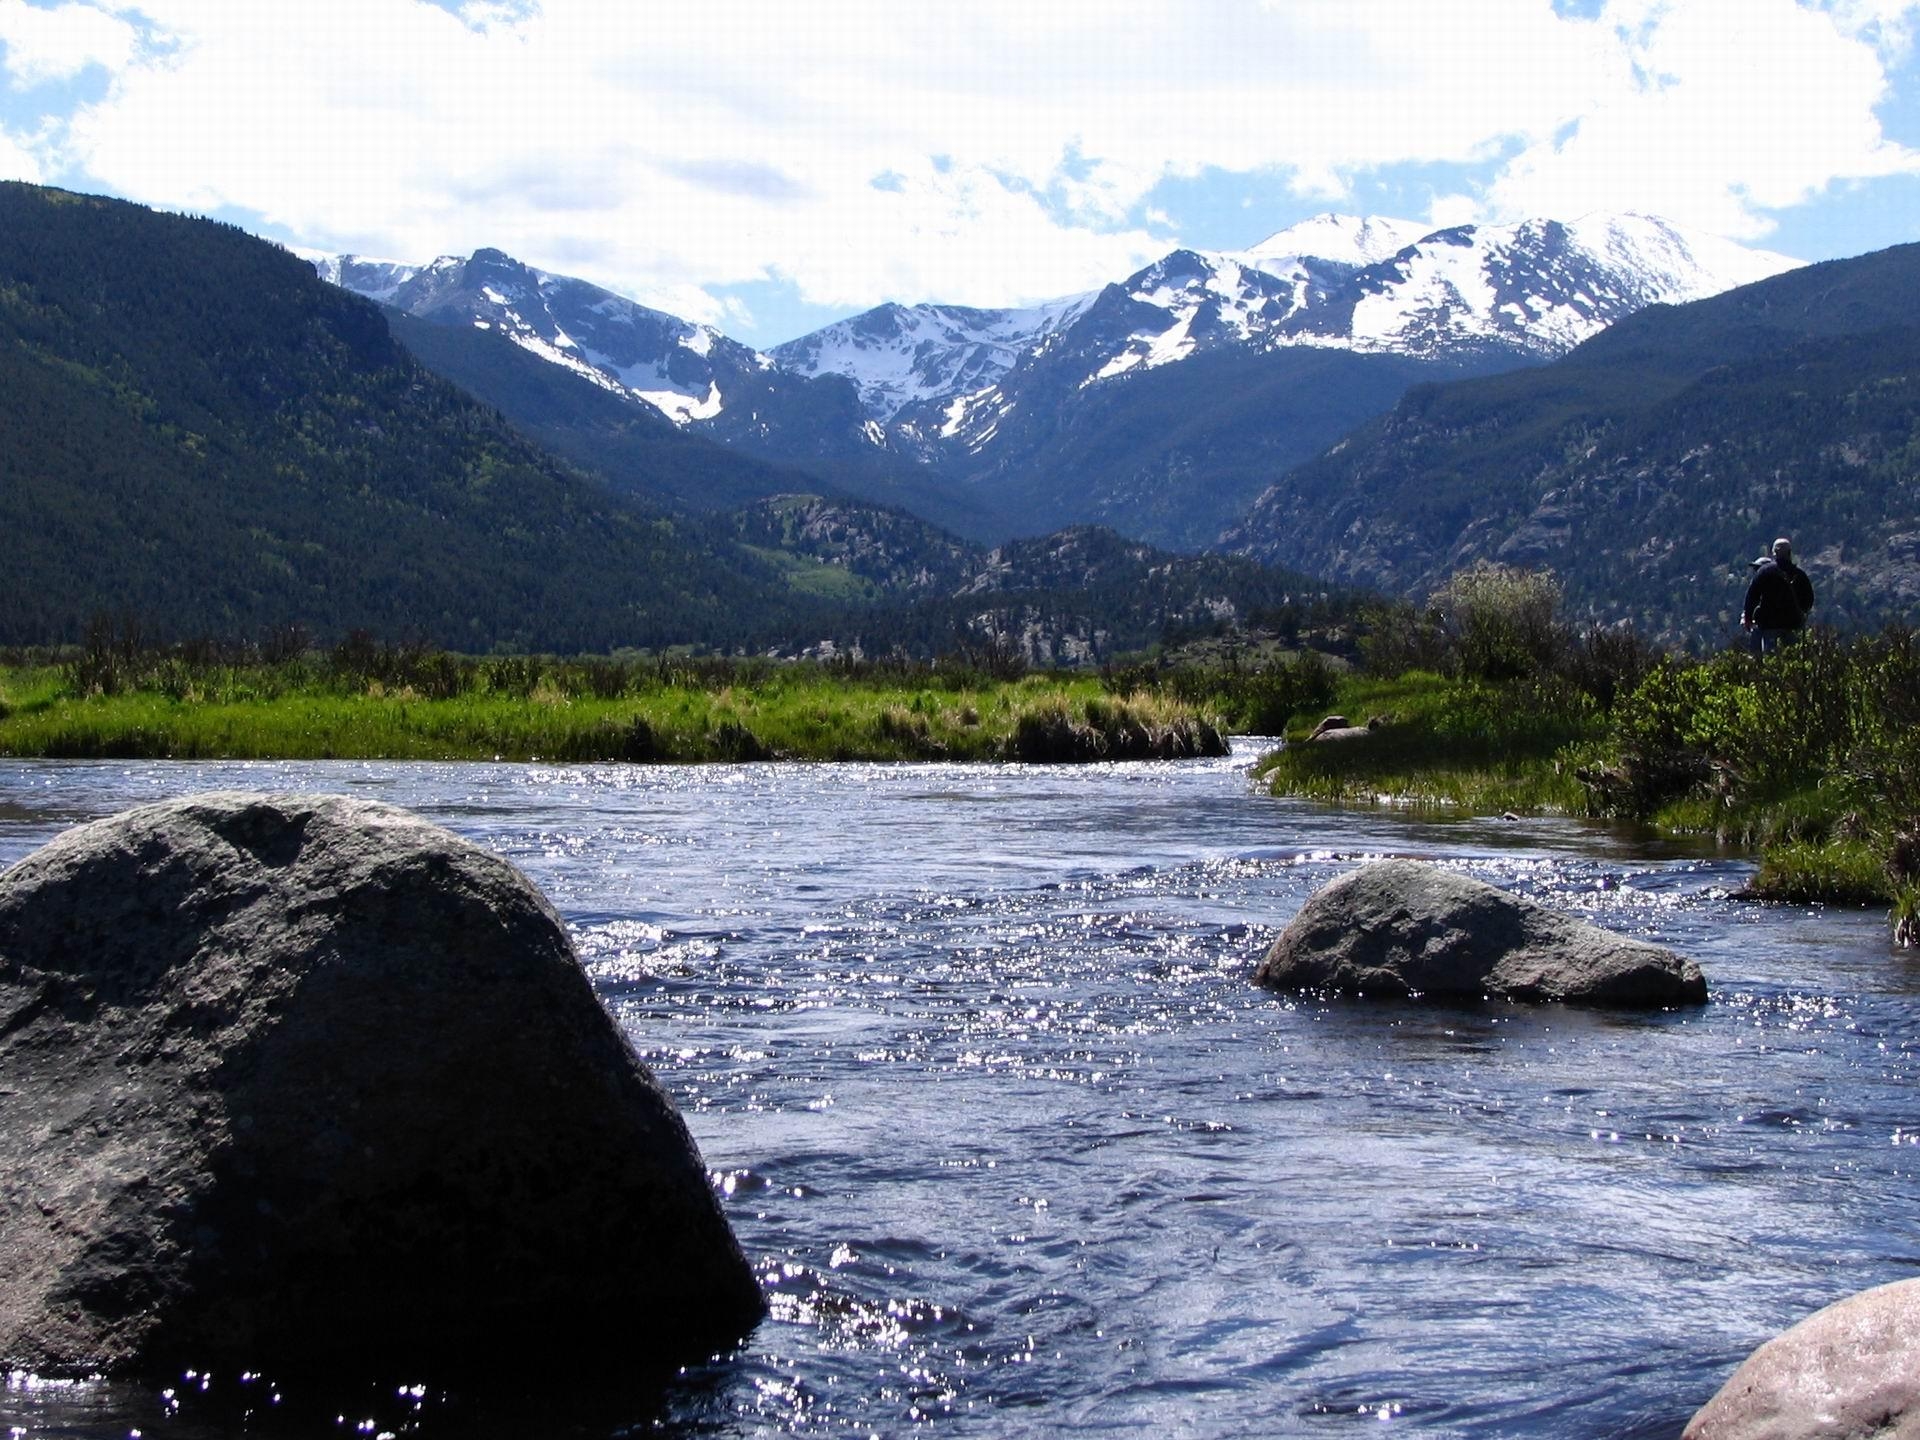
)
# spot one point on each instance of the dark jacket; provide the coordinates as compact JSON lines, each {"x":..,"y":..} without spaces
{"x":1778,"y":598}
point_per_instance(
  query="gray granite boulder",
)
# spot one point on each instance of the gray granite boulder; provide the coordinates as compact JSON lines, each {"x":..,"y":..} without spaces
{"x":1848,"y":1372}
{"x":301,"y":1081}
{"x":1405,"y":927}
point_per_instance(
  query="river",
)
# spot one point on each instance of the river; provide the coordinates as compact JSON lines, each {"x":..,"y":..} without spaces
{"x":972,"y":1054}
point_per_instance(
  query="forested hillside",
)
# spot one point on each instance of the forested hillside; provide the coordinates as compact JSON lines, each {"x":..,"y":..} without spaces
{"x":198,"y":431}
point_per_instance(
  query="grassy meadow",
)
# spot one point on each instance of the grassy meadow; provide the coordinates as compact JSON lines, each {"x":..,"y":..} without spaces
{"x":385,"y":703}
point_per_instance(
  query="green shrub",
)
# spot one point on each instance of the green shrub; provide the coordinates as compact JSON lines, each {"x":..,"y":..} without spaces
{"x":1501,"y":620}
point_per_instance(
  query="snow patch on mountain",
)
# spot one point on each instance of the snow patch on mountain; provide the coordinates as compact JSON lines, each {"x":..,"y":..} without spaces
{"x":1353,"y":240}
{"x":900,"y":355}
{"x":679,"y":368}
{"x":1541,"y":286}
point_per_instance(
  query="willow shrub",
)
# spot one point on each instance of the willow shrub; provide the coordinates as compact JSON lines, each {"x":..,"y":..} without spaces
{"x":1822,"y":712}
{"x":1252,"y":699}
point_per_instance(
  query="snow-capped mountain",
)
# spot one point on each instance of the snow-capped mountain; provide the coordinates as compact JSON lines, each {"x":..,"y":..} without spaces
{"x":945,"y":375}
{"x":684,"y":370}
{"x":1159,"y":405}
{"x":899,"y":355}
{"x":1511,"y":294}
{"x":1538,"y":288}
{"x":1351,"y":240}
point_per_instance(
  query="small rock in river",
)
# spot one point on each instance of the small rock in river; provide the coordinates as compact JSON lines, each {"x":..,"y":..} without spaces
{"x":305,"y":1081}
{"x":1404,"y":927}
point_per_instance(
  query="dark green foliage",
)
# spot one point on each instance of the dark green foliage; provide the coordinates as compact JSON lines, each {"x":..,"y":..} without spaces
{"x":1502,"y":623}
{"x":1082,"y":596}
{"x":1397,"y":636}
{"x":1110,"y":729}
{"x":1817,"y":744}
{"x":1255,"y":699}
{"x":1493,"y":623}
{"x":636,"y":449}
{"x":199,"y":431}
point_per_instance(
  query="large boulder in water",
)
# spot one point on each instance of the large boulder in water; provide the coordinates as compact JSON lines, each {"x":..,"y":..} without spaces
{"x":1403,"y":927}
{"x":296,"y":1081}
{"x":1846,"y":1372}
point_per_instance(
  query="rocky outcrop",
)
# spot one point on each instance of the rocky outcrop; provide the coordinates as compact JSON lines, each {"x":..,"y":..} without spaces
{"x":297,"y":1082}
{"x":1406,"y":928}
{"x":1847,"y":1372}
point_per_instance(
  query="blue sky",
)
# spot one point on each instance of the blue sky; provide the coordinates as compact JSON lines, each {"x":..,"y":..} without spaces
{"x":766,"y":165}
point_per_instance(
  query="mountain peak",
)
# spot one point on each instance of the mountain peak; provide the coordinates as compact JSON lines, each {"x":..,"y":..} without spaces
{"x":1343,"y":239}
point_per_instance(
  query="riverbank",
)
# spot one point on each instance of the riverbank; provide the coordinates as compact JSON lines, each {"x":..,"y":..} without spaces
{"x":1808,"y":760}
{"x":438,"y":707}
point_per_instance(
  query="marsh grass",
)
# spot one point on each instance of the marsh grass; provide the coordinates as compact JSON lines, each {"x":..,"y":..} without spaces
{"x":1443,"y":746}
{"x":1833,"y":872}
{"x":527,"y":709}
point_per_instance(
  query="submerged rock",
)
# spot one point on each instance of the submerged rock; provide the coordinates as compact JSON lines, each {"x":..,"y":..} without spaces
{"x":1403,"y":927}
{"x":1846,"y":1372}
{"x":301,"y":1081}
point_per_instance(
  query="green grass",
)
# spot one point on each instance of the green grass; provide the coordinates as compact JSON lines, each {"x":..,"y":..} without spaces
{"x":258,"y":713}
{"x":1833,"y":872}
{"x":1443,"y":747}
{"x":1455,"y":747}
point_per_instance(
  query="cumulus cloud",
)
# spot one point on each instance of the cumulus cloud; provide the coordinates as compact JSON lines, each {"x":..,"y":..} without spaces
{"x":59,"y":43}
{"x":998,"y":151}
{"x":17,"y":162}
{"x":1724,"y":111}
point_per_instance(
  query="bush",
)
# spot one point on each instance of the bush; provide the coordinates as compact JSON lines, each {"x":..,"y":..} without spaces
{"x":1607,"y":662}
{"x":1501,"y":621}
{"x":1396,"y":638}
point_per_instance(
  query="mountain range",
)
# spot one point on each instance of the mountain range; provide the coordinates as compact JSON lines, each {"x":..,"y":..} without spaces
{"x":202,"y":436}
{"x":1160,"y":405}
{"x":200,"y":431}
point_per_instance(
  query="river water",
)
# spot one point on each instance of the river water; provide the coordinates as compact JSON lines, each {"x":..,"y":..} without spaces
{"x":972,"y":1054}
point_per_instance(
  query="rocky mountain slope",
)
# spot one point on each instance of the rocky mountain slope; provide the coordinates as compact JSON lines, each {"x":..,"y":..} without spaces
{"x":1651,"y":463}
{"x":1028,"y":419}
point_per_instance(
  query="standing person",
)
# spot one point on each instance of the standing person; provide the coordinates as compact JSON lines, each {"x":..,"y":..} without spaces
{"x":1778,"y":599}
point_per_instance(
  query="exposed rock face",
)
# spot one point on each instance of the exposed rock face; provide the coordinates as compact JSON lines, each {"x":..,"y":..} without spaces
{"x":301,"y":1081}
{"x":1401,"y":927}
{"x":1848,"y":1372}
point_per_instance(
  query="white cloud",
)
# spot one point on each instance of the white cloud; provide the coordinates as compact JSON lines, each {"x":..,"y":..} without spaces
{"x":1729,"y":109}
{"x":57,"y":44}
{"x":987,"y":152}
{"x":17,"y":162}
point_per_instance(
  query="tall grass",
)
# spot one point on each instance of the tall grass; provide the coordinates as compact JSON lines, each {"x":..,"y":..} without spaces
{"x":391,"y":705}
{"x":1442,"y":745}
